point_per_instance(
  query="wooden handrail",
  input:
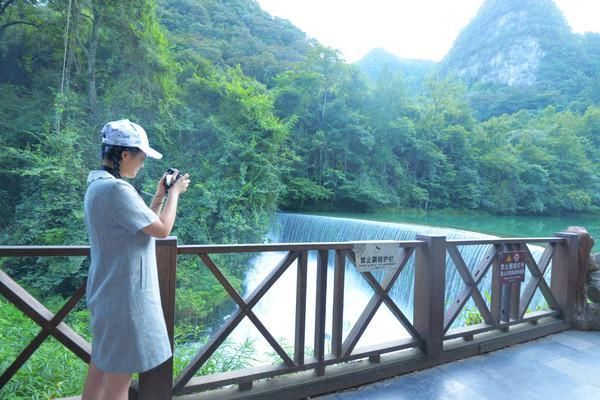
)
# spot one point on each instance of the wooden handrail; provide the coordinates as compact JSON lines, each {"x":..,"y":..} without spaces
{"x":255,"y":248}
{"x":44,"y":251}
{"x":431,"y":339}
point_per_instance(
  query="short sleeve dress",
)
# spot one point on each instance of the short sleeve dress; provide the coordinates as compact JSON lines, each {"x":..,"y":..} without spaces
{"x":129,"y":333}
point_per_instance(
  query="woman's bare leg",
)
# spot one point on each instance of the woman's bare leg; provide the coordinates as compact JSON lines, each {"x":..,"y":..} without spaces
{"x":92,"y":390}
{"x":116,"y":386}
{"x":101,"y":385}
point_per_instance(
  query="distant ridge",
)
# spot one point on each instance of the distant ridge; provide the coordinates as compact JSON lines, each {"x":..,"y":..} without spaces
{"x":413,"y":72}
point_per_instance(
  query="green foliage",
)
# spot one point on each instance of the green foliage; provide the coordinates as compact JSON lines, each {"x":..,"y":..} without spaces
{"x":233,"y":33}
{"x":230,"y":356}
{"x":470,"y":314}
{"x":52,"y":371}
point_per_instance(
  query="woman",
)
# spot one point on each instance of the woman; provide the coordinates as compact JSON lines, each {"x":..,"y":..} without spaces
{"x":128,"y":329}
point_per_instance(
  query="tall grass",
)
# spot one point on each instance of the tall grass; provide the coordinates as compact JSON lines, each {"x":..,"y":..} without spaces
{"x":54,"y":372}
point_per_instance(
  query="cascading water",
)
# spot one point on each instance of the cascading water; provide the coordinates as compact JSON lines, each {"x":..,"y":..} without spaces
{"x":277,"y":309}
{"x":309,"y":228}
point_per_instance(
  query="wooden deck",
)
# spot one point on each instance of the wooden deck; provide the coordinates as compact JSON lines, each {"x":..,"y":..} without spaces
{"x":565,"y":365}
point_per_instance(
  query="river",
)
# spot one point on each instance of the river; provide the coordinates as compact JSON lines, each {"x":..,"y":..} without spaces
{"x":503,"y":226}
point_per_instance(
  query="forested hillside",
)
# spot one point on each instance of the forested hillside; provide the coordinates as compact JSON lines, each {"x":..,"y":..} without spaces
{"x":263,"y":119}
{"x":235,"y":32}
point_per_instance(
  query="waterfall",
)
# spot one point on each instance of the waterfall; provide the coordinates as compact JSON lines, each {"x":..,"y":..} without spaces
{"x":277,"y":309}
{"x":294,"y":228}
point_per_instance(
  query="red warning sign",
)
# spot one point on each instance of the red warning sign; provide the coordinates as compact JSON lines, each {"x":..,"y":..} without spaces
{"x":512,"y":266}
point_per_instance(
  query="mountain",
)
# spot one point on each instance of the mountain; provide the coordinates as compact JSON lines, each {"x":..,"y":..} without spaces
{"x":234,"y":32}
{"x":511,"y":43}
{"x":413,"y":72}
{"x":513,"y":55}
{"x":522,"y":54}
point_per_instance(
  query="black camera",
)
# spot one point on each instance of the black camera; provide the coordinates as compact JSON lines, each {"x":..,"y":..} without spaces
{"x":171,"y":177}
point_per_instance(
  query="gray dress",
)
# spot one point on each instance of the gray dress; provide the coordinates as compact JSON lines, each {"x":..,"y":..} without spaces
{"x":128,"y":328}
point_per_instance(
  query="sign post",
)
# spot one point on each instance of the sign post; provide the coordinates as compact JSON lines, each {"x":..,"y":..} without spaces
{"x":510,"y":274}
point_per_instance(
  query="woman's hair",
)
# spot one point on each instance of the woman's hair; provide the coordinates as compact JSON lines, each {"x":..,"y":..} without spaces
{"x":114,"y":154}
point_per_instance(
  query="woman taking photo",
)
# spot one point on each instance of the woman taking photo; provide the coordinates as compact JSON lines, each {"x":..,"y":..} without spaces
{"x":129,"y":334}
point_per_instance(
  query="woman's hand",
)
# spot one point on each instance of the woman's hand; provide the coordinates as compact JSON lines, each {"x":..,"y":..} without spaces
{"x":162,"y":227}
{"x":181,"y":184}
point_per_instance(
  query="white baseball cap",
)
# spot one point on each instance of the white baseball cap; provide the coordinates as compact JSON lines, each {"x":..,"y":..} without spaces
{"x":128,"y":134}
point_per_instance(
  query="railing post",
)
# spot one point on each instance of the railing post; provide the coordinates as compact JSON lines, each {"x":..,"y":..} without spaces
{"x":320,"y":310}
{"x":300,"y":329}
{"x":430,"y":285}
{"x":338,"y":304}
{"x":158,"y":382}
{"x":564,"y":270}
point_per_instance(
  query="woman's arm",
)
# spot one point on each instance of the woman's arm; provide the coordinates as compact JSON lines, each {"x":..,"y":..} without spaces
{"x":159,"y":197}
{"x":157,"y":203}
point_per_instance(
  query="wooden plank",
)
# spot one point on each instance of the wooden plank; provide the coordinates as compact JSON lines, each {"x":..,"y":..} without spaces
{"x":300,"y":320}
{"x":340,"y":377}
{"x":515,"y":300}
{"x":246,"y":308}
{"x":338,"y":303}
{"x":372,"y":306}
{"x":476,"y":329}
{"x":208,"y":382}
{"x":209,"y":348}
{"x":49,"y":322}
{"x":541,"y":282}
{"x":223,"y":332}
{"x":320,"y":308}
{"x":468,"y":331}
{"x":157,"y":383}
{"x":532,"y":284}
{"x":361,"y":324}
{"x":496,"y":295}
{"x":23,"y":357}
{"x":379,"y":349}
{"x":430,"y":284}
{"x":24,"y":301}
{"x":564,"y":272}
{"x":501,"y":241}
{"x":73,"y":341}
{"x":470,"y":290}
{"x":44,"y":251}
{"x":272,"y":247}
{"x":380,"y":295}
{"x":395,"y":310}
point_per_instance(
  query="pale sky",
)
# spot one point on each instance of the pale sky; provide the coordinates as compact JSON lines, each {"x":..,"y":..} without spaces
{"x":417,"y":29}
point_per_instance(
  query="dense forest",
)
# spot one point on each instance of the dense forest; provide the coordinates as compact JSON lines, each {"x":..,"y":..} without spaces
{"x":264,"y":119}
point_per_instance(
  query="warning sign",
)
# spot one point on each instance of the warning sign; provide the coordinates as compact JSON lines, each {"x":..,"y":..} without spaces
{"x":375,"y":256}
{"x":512,"y":266}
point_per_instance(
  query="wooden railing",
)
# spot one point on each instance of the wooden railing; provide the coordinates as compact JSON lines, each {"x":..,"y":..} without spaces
{"x":428,"y":339}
